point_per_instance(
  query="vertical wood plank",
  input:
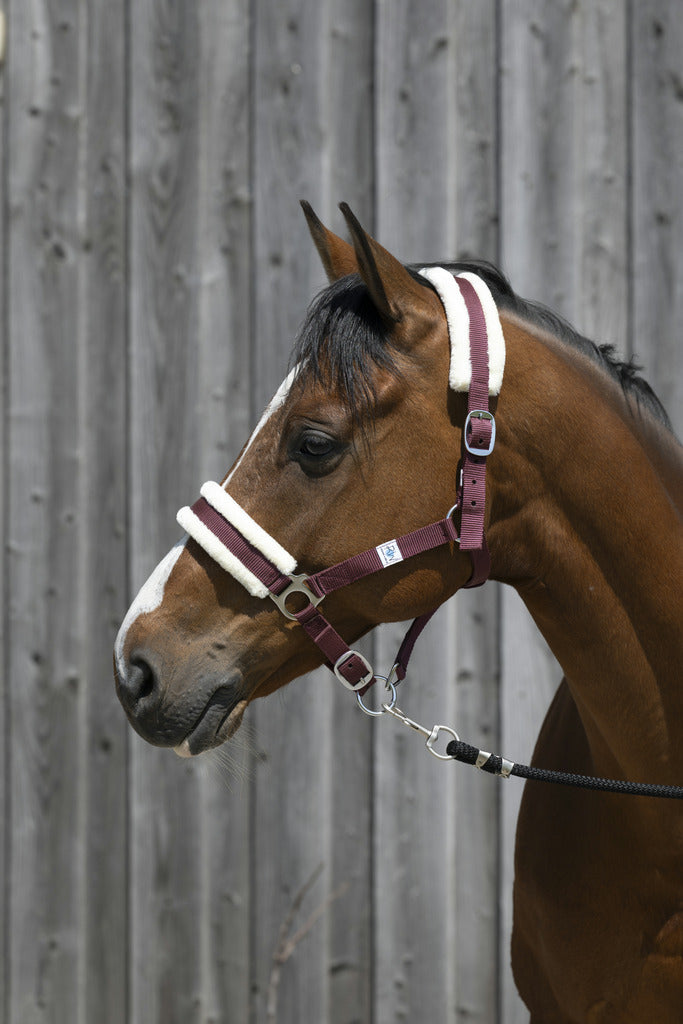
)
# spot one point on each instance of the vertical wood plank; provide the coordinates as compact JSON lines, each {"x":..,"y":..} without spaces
{"x":166,"y":928}
{"x":563,"y":242}
{"x":222,"y":411}
{"x":311,"y":110}
{"x":657,"y":159}
{"x":103,"y":453}
{"x":415,"y":815}
{"x":4,"y":591}
{"x":48,"y":751}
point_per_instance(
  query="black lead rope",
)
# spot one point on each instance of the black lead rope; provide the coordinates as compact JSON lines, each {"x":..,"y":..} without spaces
{"x":496,"y":765}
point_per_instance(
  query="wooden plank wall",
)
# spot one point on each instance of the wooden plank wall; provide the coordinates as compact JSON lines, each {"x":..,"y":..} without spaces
{"x":153,"y":272}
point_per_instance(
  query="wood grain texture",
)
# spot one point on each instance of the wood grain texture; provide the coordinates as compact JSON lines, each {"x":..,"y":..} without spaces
{"x":103,"y":495}
{"x":166,"y":838}
{"x":48,"y":749}
{"x":222,"y":345}
{"x":155,"y":268}
{"x":657,"y":224}
{"x":4,"y":590}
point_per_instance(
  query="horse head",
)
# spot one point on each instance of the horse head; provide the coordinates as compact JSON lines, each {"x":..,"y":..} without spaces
{"x":362,"y":443}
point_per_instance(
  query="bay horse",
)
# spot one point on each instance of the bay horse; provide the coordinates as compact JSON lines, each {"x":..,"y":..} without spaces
{"x":581,"y":514}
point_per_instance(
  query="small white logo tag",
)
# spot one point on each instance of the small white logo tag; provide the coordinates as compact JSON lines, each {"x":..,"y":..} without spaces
{"x":389,"y":553}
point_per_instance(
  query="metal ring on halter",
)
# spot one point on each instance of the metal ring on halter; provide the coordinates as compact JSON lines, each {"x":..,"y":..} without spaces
{"x":385,"y":707}
{"x":453,"y":509}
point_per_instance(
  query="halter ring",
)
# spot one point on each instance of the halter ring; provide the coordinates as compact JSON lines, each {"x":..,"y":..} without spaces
{"x":385,"y":707}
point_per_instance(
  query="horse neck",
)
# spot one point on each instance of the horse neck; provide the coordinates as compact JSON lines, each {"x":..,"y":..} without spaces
{"x":586,"y":525}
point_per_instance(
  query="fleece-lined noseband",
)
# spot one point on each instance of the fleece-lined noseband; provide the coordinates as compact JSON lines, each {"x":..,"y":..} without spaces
{"x":265,"y":569}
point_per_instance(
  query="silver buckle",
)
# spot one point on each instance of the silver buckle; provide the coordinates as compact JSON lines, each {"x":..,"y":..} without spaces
{"x":297,"y":586}
{"x":480,"y":414}
{"x":367,"y":678}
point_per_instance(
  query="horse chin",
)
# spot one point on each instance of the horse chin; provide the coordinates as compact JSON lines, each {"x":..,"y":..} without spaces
{"x":215,"y":726}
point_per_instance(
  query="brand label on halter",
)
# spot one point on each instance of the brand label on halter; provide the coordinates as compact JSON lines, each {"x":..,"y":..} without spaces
{"x":389,"y":553}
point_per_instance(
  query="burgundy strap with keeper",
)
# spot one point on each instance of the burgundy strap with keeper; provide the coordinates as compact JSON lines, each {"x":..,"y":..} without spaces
{"x":479,"y":435}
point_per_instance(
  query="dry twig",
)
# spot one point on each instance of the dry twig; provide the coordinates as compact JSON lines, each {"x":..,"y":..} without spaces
{"x":287,"y":942}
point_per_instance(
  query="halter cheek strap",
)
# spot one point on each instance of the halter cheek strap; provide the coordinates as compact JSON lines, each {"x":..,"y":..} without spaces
{"x":245,"y":550}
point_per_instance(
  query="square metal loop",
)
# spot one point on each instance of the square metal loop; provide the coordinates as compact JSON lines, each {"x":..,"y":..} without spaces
{"x":297,"y":586}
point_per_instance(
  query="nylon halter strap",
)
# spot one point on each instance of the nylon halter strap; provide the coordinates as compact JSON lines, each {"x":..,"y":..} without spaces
{"x":255,"y":559}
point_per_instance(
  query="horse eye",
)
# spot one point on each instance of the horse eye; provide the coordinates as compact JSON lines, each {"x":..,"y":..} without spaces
{"x":317,"y":453}
{"x":315,"y":445}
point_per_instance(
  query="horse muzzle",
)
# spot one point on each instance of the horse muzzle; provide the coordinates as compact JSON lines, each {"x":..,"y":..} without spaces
{"x":203,"y":716}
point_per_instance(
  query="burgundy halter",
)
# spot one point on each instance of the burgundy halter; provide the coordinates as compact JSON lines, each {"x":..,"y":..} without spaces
{"x":349,"y":666}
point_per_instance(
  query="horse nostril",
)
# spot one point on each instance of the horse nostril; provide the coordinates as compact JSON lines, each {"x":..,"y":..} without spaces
{"x":139,"y":683}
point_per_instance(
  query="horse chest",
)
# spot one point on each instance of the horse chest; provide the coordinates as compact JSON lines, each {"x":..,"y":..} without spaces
{"x":598,"y":928}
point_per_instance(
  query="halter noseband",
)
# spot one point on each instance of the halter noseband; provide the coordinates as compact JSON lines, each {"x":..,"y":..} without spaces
{"x":245,"y":550}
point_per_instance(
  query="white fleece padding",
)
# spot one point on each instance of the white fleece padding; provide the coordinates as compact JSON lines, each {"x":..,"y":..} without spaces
{"x":250,"y":530}
{"x":220,"y":554}
{"x":457,"y":318}
{"x":494,"y":331}
{"x":248,"y":527}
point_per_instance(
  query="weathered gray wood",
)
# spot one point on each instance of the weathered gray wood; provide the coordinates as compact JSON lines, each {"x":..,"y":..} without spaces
{"x":166,"y":839}
{"x":657,"y":232}
{"x":4,"y":688}
{"x":45,"y":662}
{"x":103,"y":524}
{"x":564,"y":224}
{"x":4,"y":610}
{"x":222,"y":344}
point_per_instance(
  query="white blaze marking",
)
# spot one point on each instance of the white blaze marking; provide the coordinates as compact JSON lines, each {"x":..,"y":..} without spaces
{"x":152,"y":593}
{"x":276,"y":401}
{"x":149,"y":598}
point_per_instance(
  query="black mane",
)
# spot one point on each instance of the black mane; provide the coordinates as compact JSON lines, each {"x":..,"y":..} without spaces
{"x":340,"y":341}
{"x":343,"y":337}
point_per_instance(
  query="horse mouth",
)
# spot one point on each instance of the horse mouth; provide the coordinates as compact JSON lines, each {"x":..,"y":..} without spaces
{"x":220,"y":719}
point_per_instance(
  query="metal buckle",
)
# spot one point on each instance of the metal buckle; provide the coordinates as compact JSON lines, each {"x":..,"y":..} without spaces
{"x":367,"y":678}
{"x":297,"y":586}
{"x":480,"y":414}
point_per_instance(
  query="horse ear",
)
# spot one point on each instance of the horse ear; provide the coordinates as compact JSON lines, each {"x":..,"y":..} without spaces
{"x":338,"y":257}
{"x":391,"y":286}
